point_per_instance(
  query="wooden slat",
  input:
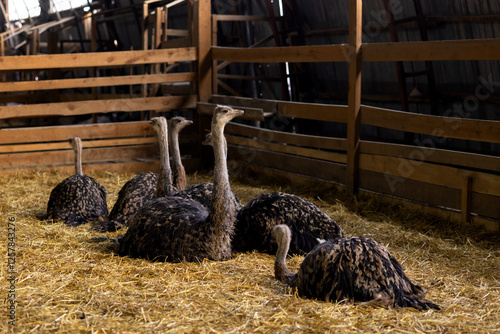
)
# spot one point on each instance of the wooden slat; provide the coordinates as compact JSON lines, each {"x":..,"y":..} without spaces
{"x":327,"y":143}
{"x":18,"y":86}
{"x":254,"y":114}
{"x":479,"y":49}
{"x":466,"y":202}
{"x":300,"y":165}
{"x":319,"y":112}
{"x":292,"y":54}
{"x":203,"y":19}
{"x":287,"y":149}
{"x":398,"y":169}
{"x":85,"y":131}
{"x":97,"y":59}
{"x":164,"y":103}
{"x":86,"y":144}
{"x":431,"y":154}
{"x":223,"y":17}
{"x":450,"y":127}
{"x":354,"y":95}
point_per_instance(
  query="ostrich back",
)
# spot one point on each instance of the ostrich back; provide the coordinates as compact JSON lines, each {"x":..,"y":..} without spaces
{"x":173,"y":229}
{"x":307,"y":222}
{"x":202,"y":193}
{"x":76,"y":200}
{"x":357,"y":269}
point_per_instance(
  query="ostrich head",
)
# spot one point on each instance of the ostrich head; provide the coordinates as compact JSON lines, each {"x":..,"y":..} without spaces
{"x":178,"y":123}
{"x":224,"y":114}
{"x":158,"y":123}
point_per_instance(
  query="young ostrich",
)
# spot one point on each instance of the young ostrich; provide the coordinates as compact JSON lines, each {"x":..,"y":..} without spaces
{"x":256,"y":220}
{"x":79,"y":198}
{"x":176,"y":229}
{"x":354,"y":269}
{"x":176,"y":124}
{"x":142,"y":188}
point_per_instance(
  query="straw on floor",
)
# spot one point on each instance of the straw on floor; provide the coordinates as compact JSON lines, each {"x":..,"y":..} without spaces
{"x":69,"y":282}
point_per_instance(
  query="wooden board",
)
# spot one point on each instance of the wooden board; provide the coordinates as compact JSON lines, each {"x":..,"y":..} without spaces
{"x":97,"y":59}
{"x":291,"y":54}
{"x":18,"y":86}
{"x":449,"y":127}
{"x":159,"y":104}
{"x":480,"y":49}
{"x":326,"y":143}
{"x":85,"y":131}
{"x":287,"y":149}
{"x":316,"y":111}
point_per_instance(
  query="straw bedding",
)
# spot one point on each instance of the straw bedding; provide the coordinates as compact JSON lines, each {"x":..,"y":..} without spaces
{"x":69,"y":282}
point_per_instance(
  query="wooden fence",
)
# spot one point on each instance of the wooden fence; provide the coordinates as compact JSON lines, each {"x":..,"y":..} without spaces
{"x":459,"y":185}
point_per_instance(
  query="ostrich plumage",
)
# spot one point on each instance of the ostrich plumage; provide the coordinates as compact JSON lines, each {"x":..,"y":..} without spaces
{"x":176,"y":229}
{"x":143,"y":187}
{"x":176,"y":124}
{"x":356,"y":269}
{"x":256,"y":220}
{"x":78,"y":198}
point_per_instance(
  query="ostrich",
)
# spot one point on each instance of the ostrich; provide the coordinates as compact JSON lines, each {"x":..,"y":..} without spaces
{"x":142,"y":188}
{"x":176,"y":229}
{"x":354,"y":269}
{"x":255,"y":222}
{"x":79,"y":198}
{"x":176,"y":125}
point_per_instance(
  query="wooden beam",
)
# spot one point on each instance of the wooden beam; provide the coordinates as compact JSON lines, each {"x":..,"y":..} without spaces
{"x":466,"y":199}
{"x":238,"y":18}
{"x":317,"y":142}
{"x":291,"y":54}
{"x":203,"y":15}
{"x":85,"y":131}
{"x":354,"y":95}
{"x":100,"y":106}
{"x":450,"y":127}
{"x":98,"y":59}
{"x":479,"y":49}
{"x":18,"y":86}
{"x":316,"y":111}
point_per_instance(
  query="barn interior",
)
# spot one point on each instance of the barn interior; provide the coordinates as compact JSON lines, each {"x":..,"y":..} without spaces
{"x":383,"y":113}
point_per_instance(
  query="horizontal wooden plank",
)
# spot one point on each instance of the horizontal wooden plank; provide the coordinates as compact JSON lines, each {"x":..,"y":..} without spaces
{"x":98,"y":59}
{"x":84,"y":131}
{"x":254,"y":114}
{"x":86,"y":144}
{"x":449,"y":127}
{"x":316,"y":111}
{"x":90,"y":155}
{"x":427,"y":152}
{"x":162,"y":103}
{"x":291,"y":54}
{"x":225,"y":17}
{"x":18,"y":86}
{"x":287,"y":149}
{"x":326,"y":143}
{"x":300,"y":165}
{"x":479,"y":49}
{"x":398,"y":169}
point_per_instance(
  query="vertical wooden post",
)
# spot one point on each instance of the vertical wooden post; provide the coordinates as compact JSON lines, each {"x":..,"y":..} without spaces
{"x":204,"y":42}
{"x":466,"y":199}
{"x":354,"y":97}
{"x":93,"y":48}
{"x":214,"y":62}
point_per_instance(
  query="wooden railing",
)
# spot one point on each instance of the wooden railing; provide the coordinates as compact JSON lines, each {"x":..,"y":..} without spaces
{"x":124,"y":146}
{"x":462,"y":186}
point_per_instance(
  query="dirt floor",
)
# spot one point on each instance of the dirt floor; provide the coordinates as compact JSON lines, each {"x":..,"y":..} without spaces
{"x":67,"y":282}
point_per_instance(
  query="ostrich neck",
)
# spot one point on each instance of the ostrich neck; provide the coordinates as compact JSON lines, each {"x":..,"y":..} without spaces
{"x":281,"y":271}
{"x":78,"y":157}
{"x":164,"y":185}
{"x":179,"y":171}
{"x":222,"y":211}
